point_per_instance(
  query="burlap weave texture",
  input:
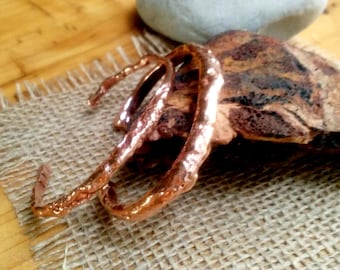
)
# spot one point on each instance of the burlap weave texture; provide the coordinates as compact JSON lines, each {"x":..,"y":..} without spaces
{"x":238,"y":216}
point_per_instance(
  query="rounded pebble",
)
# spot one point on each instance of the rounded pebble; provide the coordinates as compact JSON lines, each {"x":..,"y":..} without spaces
{"x":198,"y":21}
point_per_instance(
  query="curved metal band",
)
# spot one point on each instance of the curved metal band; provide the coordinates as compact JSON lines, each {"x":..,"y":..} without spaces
{"x":184,"y":171}
{"x":132,"y":140}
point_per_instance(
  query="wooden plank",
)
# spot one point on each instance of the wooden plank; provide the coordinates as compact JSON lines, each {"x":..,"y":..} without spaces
{"x":14,"y":245}
{"x":46,"y":38}
{"x":42,"y":39}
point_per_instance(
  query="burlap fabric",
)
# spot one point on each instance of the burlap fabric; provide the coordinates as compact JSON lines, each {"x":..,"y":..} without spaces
{"x":238,"y":216}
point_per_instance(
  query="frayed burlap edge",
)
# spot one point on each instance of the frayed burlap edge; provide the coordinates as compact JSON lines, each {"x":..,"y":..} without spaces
{"x":51,"y":238}
{"x":284,"y":217}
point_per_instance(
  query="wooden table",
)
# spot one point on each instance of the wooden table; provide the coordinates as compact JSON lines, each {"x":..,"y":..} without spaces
{"x":41,"y":39}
